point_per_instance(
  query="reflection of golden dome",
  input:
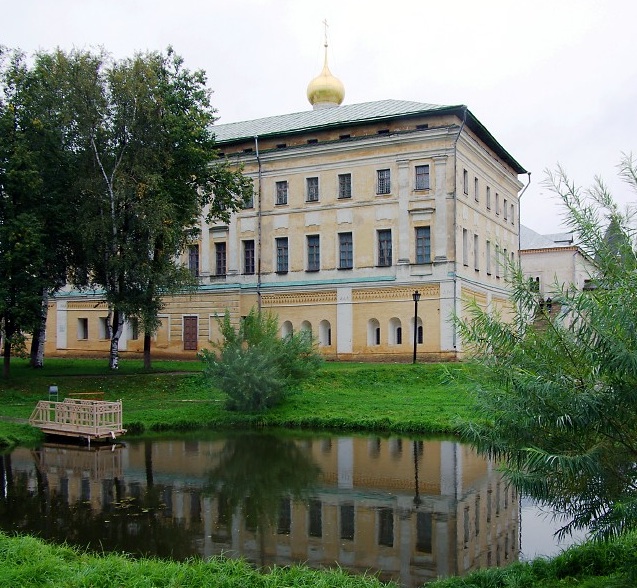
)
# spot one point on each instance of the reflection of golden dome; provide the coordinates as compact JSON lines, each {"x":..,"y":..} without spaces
{"x":325,"y":91}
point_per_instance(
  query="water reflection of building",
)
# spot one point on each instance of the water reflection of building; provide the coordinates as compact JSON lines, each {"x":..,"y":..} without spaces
{"x":414,"y":510}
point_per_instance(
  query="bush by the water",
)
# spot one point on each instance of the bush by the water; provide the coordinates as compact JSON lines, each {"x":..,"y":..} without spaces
{"x":254,"y":366}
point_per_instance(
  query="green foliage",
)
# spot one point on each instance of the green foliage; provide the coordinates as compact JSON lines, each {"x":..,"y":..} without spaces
{"x":254,"y":366}
{"x":127,"y":146}
{"x":556,"y":390}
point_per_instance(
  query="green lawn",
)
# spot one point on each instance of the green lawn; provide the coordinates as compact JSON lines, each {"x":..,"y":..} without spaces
{"x":405,"y":398}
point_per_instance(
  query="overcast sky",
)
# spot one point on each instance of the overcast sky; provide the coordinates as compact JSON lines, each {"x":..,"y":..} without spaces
{"x":555,"y":81}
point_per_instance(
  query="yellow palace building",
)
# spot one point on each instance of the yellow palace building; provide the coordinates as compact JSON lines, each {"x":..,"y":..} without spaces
{"x":370,"y":224}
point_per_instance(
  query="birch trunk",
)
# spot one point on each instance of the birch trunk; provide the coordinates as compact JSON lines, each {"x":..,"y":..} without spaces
{"x":118,"y":325}
{"x":39,"y":336}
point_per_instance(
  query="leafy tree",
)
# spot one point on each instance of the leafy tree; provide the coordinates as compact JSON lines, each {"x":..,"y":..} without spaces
{"x":143,"y":132}
{"x":559,"y":392}
{"x":37,"y":224}
{"x":254,"y":366}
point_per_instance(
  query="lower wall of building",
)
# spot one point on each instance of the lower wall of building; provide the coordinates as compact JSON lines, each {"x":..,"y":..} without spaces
{"x":349,"y":324}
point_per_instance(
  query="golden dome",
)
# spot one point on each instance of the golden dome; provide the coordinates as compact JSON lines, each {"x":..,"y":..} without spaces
{"x":325,"y":90}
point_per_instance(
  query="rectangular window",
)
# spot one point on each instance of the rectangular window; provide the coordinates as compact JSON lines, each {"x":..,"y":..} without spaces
{"x":345,"y":185}
{"x":497,"y":203}
{"x":488,"y":198}
{"x":312,"y":189}
{"x":465,"y":247}
{"x":476,"y":189}
{"x":384,"y":247}
{"x":316,"y":519}
{"x":248,"y":257}
{"x":465,"y":181}
{"x":284,"y":524}
{"x":384,"y":182}
{"x":134,"y":329}
{"x":386,"y":527}
{"x":423,"y":245}
{"x":82,"y":329}
{"x":422,"y":177}
{"x":282,"y":254}
{"x":347,"y":522}
{"x":512,"y":214}
{"x":345,"y":251}
{"x":313,"y":253}
{"x":476,"y":253}
{"x":497,"y":261}
{"x":104,"y":331}
{"x":249,"y":202}
{"x":282,"y":192}
{"x":193,"y":259}
{"x":220,"y":259}
{"x":488,"y":254}
{"x":424,"y":532}
{"x":505,"y":209}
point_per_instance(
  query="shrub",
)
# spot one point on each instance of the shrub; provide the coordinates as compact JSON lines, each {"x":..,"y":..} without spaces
{"x":256,"y":368}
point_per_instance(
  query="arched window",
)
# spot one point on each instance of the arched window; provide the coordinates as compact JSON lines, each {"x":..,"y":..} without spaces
{"x":325,"y":334}
{"x":373,"y":332}
{"x":286,"y":329}
{"x":419,"y":331}
{"x":395,"y":331}
{"x":306,"y":326}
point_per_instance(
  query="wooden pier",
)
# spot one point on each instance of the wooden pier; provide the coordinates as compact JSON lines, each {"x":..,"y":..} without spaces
{"x":85,"y":419}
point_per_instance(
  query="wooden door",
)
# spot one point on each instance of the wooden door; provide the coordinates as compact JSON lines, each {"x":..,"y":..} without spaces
{"x":190,"y":333}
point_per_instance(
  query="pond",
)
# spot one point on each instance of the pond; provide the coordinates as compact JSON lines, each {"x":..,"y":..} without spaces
{"x":410,"y":510}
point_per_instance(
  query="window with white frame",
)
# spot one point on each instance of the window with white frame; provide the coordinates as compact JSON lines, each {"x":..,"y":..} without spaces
{"x":383,"y":185}
{"x":423,"y":244}
{"x":312,"y":189}
{"x":345,"y":251}
{"x":193,"y":259}
{"x":220,"y":259}
{"x":384,"y":247}
{"x":465,"y":247}
{"x":313,"y":253}
{"x":281,"y":254}
{"x":488,"y":256}
{"x":282,"y":192}
{"x":422,"y":177}
{"x":248,"y":257}
{"x":345,"y":185}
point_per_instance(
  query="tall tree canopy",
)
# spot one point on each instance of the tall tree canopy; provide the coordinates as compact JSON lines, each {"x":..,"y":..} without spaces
{"x":559,"y":390}
{"x":38,"y":241}
{"x":136,"y":137}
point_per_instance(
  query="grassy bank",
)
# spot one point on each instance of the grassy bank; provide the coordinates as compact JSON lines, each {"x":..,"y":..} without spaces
{"x":387,"y":398}
{"x":28,"y":562}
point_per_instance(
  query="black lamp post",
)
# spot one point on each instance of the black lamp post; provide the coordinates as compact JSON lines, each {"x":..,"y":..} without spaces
{"x":416,"y":297}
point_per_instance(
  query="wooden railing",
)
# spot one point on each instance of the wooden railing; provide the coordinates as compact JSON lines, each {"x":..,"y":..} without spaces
{"x":90,"y":419}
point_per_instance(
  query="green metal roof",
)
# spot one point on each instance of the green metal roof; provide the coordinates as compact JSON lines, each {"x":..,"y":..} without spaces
{"x":321,"y":118}
{"x":352,"y":114}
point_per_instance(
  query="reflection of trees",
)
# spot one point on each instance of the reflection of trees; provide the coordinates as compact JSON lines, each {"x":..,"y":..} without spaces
{"x":256,"y":471}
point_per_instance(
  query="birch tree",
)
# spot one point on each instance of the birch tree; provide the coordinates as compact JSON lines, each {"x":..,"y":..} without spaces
{"x":149,"y":169}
